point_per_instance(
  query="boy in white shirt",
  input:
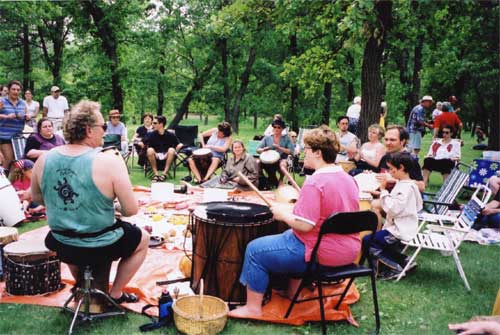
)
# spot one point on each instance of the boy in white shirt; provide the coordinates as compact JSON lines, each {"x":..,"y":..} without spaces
{"x":401,"y":206}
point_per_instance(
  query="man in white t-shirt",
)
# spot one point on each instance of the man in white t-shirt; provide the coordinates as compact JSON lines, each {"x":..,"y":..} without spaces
{"x":353,"y":113}
{"x":349,"y":143}
{"x":55,"y":106}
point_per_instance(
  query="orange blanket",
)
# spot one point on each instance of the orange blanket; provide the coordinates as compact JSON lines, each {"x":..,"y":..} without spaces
{"x":161,"y":262}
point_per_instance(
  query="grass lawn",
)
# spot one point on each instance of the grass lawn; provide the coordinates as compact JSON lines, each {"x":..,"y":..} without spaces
{"x":423,"y":303}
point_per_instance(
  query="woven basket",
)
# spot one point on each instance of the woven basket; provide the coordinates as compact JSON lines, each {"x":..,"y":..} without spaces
{"x":187,"y":312}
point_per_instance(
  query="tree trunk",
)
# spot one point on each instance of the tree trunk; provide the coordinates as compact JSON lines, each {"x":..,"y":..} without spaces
{"x":222,"y":43}
{"x":294,"y":90}
{"x":160,"y":94}
{"x":56,"y":33}
{"x":350,"y":85}
{"x":255,"y":118}
{"x":26,"y":58}
{"x":197,"y":85}
{"x":109,"y":43}
{"x":371,"y":81}
{"x":245,"y":79}
{"x":415,"y":80}
{"x":327,"y":95}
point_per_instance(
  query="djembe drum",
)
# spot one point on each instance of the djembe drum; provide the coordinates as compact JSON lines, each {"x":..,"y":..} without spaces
{"x":202,"y":159}
{"x":221,"y":232}
{"x":31,"y":269}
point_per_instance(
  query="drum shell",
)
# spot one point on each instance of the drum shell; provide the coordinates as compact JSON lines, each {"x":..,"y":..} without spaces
{"x":31,"y":274}
{"x":218,"y":254}
{"x":202,"y":160}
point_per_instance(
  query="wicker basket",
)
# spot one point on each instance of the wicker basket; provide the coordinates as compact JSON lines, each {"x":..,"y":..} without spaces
{"x":187,"y":312}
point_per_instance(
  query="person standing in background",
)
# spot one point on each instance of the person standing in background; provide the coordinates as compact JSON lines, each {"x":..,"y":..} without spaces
{"x":416,"y":123}
{"x":54,"y":107}
{"x":353,"y":113}
{"x":33,"y":108}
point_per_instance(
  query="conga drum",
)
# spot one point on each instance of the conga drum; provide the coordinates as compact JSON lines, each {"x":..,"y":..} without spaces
{"x":31,"y":269}
{"x":221,"y":232}
{"x":202,"y":159}
{"x":11,"y":210}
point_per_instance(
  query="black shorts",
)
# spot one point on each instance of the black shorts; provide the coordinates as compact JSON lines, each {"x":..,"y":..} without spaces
{"x":123,"y":248}
{"x":441,"y":165}
{"x":2,"y":141}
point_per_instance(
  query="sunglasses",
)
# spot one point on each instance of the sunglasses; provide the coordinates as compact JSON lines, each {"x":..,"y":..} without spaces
{"x":103,"y":126}
{"x":446,"y":132}
{"x":277,"y":127}
{"x":115,"y":117}
{"x":154,"y":122}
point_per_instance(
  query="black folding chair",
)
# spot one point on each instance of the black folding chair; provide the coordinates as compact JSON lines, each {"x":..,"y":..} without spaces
{"x":114,"y":141}
{"x":187,"y":135}
{"x":339,"y":223}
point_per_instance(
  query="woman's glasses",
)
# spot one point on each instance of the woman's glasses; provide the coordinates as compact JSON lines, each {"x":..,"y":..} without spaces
{"x":446,"y":132}
{"x":103,"y":126}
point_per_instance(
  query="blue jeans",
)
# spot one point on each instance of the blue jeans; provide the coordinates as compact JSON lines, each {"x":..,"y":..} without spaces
{"x":282,"y":253}
{"x":488,"y":221}
{"x":387,"y":248}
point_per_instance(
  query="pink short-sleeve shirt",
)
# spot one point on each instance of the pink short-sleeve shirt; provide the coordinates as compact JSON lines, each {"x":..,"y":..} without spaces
{"x":329,"y":190}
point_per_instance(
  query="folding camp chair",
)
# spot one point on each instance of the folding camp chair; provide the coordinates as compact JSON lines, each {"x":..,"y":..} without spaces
{"x":252,"y":147}
{"x":18,"y":145}
{"x":445,"y":197}
{"x":447,"y":239}
{"x":187,"y":135}
{"x":339,"y":223}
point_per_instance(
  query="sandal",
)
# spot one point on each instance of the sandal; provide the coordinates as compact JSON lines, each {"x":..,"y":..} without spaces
{"x":162,"y":177}
{"x":126,"y":297}
{"x":156,"y":178}
{"x":156,"y":241}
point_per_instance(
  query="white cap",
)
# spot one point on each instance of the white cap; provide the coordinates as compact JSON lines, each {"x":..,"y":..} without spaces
{"x":357,"y":100}
{"x":426,"y":98}
{"x":54,"y":89}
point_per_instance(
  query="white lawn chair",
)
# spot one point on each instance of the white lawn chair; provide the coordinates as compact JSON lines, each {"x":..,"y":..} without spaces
{"x":447,"y":238}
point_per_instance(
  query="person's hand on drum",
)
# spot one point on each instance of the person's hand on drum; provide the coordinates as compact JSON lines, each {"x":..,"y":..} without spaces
{"x":382,"y":180}
{"x":223,"y":179}
{"x":282,"y":212}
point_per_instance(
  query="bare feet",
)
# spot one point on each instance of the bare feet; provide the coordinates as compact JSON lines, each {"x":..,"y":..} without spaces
{"x":246,"y":312}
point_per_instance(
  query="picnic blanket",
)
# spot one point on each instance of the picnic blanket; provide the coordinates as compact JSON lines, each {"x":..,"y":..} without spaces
{"x":161,"y":264}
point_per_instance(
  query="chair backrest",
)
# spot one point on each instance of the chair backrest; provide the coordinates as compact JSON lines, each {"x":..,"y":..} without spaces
{"x":18,"y":146}
{"x":474,"y":206}
{"x":252,"y":147}
{"x":452,"y":186}
{"x":187,"y":135}
{"x":345,"y":223}
{"x":112,"y":140}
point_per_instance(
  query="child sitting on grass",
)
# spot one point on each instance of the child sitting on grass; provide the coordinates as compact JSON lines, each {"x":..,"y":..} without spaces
{"x":20,"y":177}
{"x":401,"y":207}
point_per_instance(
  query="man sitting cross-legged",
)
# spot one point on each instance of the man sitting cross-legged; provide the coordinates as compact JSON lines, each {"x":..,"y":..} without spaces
{"x":162,"y":145}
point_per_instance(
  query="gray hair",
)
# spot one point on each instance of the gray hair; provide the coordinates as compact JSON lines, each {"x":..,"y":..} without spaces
{"x":82,"y":115}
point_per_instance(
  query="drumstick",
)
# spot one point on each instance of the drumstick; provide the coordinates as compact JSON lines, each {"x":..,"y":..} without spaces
{"x":252,"y":186}
{"x":290,"y":178}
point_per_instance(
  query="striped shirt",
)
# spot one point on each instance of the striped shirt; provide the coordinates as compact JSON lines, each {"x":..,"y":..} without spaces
{"x":11,"y":127}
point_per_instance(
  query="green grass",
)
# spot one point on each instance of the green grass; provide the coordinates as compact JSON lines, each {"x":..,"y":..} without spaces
{"x":423,"y":303}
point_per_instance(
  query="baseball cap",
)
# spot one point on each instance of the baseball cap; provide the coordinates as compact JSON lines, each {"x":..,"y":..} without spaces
{"x":54,"y":89}
{"x":23,"y":164}
{"x":426,"y":98}
{"x":114,"y":112}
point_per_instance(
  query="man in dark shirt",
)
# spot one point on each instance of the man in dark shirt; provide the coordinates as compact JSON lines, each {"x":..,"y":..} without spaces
{"x":162,"y":145}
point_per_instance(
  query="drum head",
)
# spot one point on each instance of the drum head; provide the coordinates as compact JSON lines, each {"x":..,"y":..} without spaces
{"x":26,"y":248}
{"x":367,"y":182}
{"x":269,"y":156}
{"x":201,"y":152}
{"x":237,"y":212}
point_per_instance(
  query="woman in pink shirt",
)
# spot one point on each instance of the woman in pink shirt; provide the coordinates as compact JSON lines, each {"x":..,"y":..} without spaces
{"x":329,"y":190}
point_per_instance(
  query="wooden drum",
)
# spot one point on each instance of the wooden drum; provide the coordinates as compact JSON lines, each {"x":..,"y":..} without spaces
{"x":202,"y":159}
{"x":221,"y":232}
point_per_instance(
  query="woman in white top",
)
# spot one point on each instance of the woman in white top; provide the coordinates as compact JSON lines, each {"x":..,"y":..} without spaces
{"x":33,"y":108}
{"x":370,"y":153}
{"x":442,"y":156}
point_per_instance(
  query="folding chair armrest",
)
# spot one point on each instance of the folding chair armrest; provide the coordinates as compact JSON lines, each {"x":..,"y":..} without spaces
{"x":433,"y":202}
{"x":436,"y":217}
{"x":442,"y":229}
{"x":428,"y":193}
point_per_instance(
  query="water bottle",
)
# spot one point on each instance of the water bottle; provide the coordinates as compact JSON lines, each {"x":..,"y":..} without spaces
{"x":165,"y":307}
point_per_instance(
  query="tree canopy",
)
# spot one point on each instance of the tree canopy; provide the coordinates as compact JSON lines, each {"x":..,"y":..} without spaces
{"x":253,"y":58}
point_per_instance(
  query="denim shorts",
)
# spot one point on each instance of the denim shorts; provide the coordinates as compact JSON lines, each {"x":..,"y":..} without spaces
{"x":282,"y":253}
{"x":415,"y":140}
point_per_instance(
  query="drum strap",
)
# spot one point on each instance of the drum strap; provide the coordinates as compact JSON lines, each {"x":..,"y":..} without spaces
{"x":71,"y":233}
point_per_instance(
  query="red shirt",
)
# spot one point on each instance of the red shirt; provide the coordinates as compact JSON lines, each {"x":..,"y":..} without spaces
{"x":447,"y":118}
